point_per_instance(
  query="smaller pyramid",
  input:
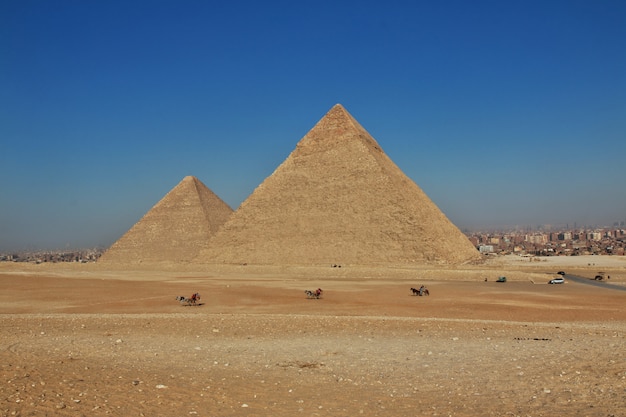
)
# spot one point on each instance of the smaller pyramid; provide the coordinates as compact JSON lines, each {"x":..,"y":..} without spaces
{"x":176,"y":229}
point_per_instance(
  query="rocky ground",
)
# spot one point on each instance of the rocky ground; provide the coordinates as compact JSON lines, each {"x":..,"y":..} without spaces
{"x":82,"y":341}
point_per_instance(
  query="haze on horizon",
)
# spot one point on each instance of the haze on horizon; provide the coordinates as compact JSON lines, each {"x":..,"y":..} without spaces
{"x":504,"y":114}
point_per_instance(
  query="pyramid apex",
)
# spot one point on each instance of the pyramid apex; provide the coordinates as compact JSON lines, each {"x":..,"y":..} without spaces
{"x":336,"y":125}
{"x":338,"y":108}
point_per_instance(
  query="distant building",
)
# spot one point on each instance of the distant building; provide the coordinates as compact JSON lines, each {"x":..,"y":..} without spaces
{"x":594,"y":236}
{"x":565,"y":236}
{"x":537,"y":239}
{"x":485,"y":248}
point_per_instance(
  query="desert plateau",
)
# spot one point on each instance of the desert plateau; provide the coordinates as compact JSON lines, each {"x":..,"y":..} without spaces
{"x":84,"y":340}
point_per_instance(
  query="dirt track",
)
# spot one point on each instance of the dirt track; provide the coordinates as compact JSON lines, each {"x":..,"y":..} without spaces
{"x":108,"y":344}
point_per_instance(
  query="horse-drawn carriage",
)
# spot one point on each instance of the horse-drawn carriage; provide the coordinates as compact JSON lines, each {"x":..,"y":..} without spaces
{"x":314,"y":294}
{"x":421,"y":291}
{"x":189,"y":301}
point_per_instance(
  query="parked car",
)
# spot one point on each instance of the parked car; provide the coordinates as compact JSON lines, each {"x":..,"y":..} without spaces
{"x":501,"y":279}
{"x":557,"y":281}
{"x":561,"y":273}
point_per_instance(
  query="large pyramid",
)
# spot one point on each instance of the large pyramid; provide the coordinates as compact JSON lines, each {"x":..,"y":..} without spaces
{"x":338,"y":199}
{"x":175,"y":229}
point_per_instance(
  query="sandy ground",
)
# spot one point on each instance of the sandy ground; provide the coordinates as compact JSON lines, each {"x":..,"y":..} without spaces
{"x":77,"y":340}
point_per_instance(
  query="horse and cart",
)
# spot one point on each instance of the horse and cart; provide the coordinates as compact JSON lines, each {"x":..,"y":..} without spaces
{"x":421,"y":291}
{"x":314,"y":294}
{"x":189,"y":301}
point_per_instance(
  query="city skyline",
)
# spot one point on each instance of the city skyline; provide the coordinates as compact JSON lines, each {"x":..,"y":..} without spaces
{"x":504,"y":114}
{"x":541,"y":241}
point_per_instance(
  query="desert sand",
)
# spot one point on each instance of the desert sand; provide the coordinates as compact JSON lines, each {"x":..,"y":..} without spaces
{"x":81,"y":340}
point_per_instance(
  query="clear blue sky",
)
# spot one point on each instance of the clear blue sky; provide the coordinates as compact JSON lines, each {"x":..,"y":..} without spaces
{"x":503,"y":112}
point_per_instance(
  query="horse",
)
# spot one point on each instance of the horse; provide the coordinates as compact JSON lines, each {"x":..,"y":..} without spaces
{"x":415,"y":291}
{"x":314,"y":294}
{"x":183,"y":300}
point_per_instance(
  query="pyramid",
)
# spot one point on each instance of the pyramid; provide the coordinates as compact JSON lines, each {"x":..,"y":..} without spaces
{"x":338,"y":199}
{"x":175,"y":229}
